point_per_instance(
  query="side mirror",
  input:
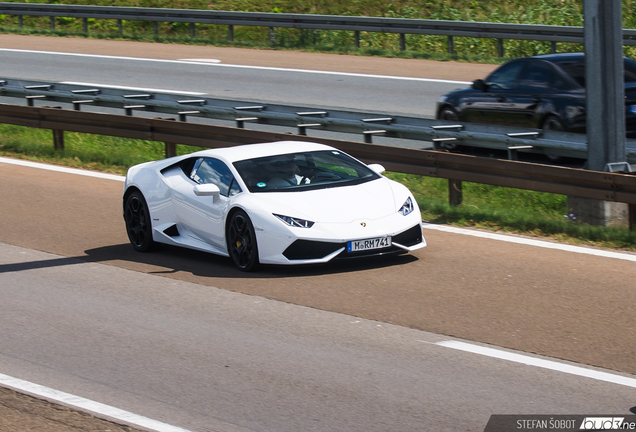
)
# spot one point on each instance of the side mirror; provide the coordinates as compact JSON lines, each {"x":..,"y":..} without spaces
{"x":480,"y":85}
{"x":377,"y":168}
{"x":207,"y":189}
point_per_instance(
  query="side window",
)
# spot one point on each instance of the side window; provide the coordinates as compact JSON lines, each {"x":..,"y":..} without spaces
{"x":506,"y":76}
{"x":535,"y":75}
{"x":235,"y":189}
{"x":216,"y":172}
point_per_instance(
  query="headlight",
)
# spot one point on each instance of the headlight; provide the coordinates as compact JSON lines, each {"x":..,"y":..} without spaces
{"x":295,"y":222}
{"x":407,"y":207}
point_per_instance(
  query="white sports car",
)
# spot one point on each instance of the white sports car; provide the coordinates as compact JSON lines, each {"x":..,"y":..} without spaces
{"x":276,"y":203}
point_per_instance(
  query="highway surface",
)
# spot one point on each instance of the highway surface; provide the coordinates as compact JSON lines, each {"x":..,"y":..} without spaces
{"x":184,"y":338}
{"x":400,"y":88}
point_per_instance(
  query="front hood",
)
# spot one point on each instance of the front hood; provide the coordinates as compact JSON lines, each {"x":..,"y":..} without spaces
{"x":370,"y":200}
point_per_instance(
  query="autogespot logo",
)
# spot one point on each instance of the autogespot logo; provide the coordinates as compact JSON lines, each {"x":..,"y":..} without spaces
{"x":602,"y":423}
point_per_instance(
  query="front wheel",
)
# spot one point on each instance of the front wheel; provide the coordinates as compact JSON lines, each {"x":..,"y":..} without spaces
{"x":241,"y":242}
{"x":138,"y":223}
{"x":449,"y":114}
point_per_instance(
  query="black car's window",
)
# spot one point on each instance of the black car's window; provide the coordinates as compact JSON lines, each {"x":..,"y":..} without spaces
{"x":576,"y":69}
{"x":303,"y":171}
{"x":506,"y":76}
{"x":535,"y":75}
{"x":207,"y":170}
{"x":561,"y":83}
{"x":630,"y":70}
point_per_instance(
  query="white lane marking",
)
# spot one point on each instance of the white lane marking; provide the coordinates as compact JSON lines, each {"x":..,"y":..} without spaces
{"x":62,"y":169}
{"x":532,"y":242}
{"x":207,"y":63}
{"x":201,"y":60}
{"x":179,"y":92}
{"x":538,"y":362}
{"x":98,"y":409}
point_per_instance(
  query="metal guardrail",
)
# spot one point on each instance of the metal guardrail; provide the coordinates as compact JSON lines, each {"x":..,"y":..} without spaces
{"x":604,"y":186}
{"x":402,"y":26}
{"x":432,"y":133}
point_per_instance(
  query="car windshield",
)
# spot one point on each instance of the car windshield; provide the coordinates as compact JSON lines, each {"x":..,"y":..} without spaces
{"x":303,"y":171}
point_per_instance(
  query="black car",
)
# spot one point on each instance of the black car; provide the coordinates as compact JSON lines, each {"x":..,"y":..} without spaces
{"x":542,"y":92}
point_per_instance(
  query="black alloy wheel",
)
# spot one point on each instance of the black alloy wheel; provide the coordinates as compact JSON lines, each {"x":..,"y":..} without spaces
{"x":555,"y":124}
{"x":449,"y":114}
{"x":138,"y":223}
{"x":241,"y":241}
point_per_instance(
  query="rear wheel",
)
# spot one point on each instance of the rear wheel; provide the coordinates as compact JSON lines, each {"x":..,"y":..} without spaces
{"x":138,"y":223}
{"x":555,"y":124}
{"x":241,"y":242}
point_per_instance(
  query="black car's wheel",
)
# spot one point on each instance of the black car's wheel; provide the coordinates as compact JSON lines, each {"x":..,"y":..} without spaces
{"x":241,"y":241}
{"x":138,"y":223}
{"x":555,"y":124}
{"x":448,"y":114}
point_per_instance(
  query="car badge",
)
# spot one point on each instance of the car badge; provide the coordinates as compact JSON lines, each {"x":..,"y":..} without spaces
{"x":364,"y":224}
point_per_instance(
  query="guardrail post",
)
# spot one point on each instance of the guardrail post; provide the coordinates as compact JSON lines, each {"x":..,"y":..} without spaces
{"x":632,"y":217}
{"x":553,"y":47}
{"x":356,"y":36}
{"x":52,"y":20}
{"x":155,"y":27}
{"x":85,"y":25}
{"x":230,"y":32}
{"x":20,"y":21}
{"x":500,"y":47}
{"x":171,"y":150}
{"x":272,"y":35}
{"x":120,"y":26}
{"x":451,"y":45}
{"x":455,"y":193}
{"x":402,"y":42}
{"x":58,"y":139}
{"x":193,"y":30}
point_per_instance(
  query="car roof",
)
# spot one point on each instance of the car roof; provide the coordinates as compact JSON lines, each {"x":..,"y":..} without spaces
{"x":560,"y":57}
{"x":250,"y":151}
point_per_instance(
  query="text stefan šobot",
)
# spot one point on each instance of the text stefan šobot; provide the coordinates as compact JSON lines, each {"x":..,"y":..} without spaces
{"x":564,"y":423}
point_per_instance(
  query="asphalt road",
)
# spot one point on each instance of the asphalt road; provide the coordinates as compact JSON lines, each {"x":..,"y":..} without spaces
{"x":183,"y":337}
{"x":404,"y":86}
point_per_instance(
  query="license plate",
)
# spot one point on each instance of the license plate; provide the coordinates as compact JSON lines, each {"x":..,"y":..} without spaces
{"x":368,"y":244}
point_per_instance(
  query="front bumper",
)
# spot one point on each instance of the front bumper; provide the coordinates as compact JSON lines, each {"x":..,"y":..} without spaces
{"x":311,"y":251}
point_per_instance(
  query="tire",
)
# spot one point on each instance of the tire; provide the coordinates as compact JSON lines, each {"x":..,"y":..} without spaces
{"x":553,"y":123}
{"x":138,"y":222}
{"x":241,"y":242}
{"x":449,"y":114}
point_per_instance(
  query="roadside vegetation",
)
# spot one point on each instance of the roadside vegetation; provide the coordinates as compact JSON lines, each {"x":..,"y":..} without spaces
{"x":487,"y":207}
{"x":547,"y":12}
